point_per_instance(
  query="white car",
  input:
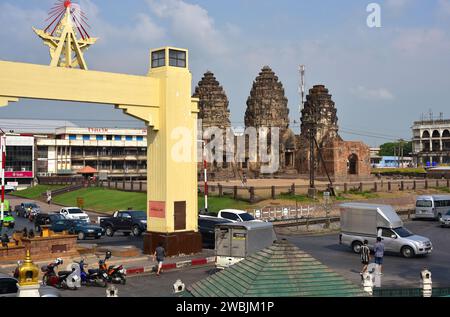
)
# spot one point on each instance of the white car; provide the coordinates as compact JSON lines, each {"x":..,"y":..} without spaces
{"x":74,"y":213}
{"x":236,"y":215}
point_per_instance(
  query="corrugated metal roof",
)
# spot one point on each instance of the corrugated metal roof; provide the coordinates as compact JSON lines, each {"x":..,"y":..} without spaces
{"x":281,"y":270}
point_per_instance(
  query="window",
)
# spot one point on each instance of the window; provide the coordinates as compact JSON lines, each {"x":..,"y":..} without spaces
{"x":139,"y":138}
{"x":19,"y":158}
{"x":442,"y":203}
{"x":99,"y":138}
{"x":424,"y":203}
{"x":246,"y":217}
{"x":177,"y":58}
{"x":117,"y":138}
{"x":129,"y":138}
{"x":229,"y":215}
{"x":386,"y":233}
{"x":109,"y":137}
{"x":86,"y":137}
{"x":72,"y":137}
{"x":159,"y":59}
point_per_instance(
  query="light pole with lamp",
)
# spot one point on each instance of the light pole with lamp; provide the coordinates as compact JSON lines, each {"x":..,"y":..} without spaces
{"x":205,"y":173}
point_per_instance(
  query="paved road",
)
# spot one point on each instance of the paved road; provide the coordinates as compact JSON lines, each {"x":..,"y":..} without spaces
{"x":147,"y":285}
{"x":397,"y":271}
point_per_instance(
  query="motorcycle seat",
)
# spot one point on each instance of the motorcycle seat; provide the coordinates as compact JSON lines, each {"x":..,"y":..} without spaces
{"x":62,"y":273}
{"x":92,"y":271}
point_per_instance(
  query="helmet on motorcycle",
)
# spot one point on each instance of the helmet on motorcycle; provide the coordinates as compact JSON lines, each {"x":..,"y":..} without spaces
{"x":59,"y":261}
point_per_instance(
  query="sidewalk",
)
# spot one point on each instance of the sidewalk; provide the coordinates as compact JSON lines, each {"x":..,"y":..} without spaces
{"x":134,"y":266}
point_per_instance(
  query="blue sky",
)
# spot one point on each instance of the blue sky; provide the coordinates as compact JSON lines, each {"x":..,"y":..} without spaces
{"x":382,"y":79}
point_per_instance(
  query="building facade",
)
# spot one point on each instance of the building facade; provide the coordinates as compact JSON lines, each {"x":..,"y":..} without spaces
{"x":431,"y":142}
{"x":112,"y":152}
{"x":19,"y":166}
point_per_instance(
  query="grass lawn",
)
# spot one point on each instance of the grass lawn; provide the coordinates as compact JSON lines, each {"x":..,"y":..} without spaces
{"x":298,"y":198}
{"x":104,"y":200}
{"x":217,"y":203}
{"x":36,"y":192}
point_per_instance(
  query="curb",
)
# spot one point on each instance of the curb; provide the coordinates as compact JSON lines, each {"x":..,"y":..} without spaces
{"x":171,"y":266}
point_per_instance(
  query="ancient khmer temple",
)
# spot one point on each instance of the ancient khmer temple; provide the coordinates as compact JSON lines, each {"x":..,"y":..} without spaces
{"x":267,"y":106}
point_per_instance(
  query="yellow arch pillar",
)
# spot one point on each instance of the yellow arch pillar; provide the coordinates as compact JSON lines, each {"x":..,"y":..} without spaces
{"x":163,"y":100}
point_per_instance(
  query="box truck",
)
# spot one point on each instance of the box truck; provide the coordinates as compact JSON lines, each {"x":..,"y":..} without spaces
{"x":361,"y":222}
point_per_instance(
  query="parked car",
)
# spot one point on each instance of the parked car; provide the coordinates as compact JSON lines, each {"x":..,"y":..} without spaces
{"x":7,"y":205}
{"x":46,"y":219}
{"x":445,"y":219}
{"x":8,"y":220}
{"x":236,"y":215}
{"x":361,"y":222}
{"x":24,"y":209}
{"x":206,"y":227}
{"x":126,"y":221}
{"x":74,"y":213}
{"x":79,"y":227}
{"x":432,"y":206}
{"x":8,"y":288}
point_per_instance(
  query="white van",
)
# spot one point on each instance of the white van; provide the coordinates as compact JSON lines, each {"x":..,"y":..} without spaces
{"x":432,"y":206}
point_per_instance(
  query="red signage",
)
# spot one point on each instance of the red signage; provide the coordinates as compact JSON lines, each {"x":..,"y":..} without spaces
{"x":157,"y":209}
{"x":98,"y":130}
{"x":18,"y":174}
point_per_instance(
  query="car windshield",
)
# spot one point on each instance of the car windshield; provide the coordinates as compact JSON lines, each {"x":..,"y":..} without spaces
{"x":75,"y":211}
{"x":403,"y":232}
{"x":246,"y":217}
{"x":32,"y":206}
{"x":138,"y":214}
{"x":424,"y":203}
{"x":448,"y":213}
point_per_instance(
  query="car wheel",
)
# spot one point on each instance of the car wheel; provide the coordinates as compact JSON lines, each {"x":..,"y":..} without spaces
{"x":356,"y":246}
{"x":109,"y":231}
{"x":407,"y":252}
{"x":136,"y":231}
{"x":81,"y":235}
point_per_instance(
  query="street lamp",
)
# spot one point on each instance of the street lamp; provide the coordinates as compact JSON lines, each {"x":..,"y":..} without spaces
{"x":205,"y":173}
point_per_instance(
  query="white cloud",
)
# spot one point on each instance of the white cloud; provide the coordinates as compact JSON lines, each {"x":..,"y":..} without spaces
{"x":190,"y":23}
{"x":421,"y":41}
{"x":372,"y":93}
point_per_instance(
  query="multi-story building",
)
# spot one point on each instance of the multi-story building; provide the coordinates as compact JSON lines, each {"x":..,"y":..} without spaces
{"x":19,"y":166}
{"x":117,"y":153}
{"x":431,"y":142}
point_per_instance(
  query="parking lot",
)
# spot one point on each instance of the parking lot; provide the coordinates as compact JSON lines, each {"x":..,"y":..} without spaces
{"x":398,"y":271}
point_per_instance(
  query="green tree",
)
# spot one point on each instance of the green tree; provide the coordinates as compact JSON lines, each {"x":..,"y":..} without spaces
{"x":391,"y":148}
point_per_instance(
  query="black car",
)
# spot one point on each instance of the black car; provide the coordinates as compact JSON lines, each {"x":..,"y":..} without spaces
{"x":206,"y":227}
{"x":126,"y":221}
{"x":79,"y":227}
{"x":46,"y":219}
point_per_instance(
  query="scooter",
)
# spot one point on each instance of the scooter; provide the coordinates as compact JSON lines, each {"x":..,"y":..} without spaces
{"x":92,"y":277}
{"x":64,"y":279}
{"x":116,"y":273}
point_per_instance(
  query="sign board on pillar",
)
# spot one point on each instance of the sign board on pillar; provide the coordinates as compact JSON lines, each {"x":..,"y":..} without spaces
{"x":157,"y":209}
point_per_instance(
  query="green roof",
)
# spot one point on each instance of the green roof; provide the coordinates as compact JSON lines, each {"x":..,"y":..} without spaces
{"x":281,"y":270}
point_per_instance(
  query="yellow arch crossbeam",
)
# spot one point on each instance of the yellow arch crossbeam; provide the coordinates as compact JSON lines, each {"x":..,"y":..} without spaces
{"x":127,"y":92}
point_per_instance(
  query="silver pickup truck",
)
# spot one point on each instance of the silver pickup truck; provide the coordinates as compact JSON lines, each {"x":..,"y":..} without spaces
{"x":361,"y":222}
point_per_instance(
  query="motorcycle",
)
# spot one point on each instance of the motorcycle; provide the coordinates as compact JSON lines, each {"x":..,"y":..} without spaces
{"x":64,"y":279}
{"x":116,"y":273}
{"x":92,"y":277}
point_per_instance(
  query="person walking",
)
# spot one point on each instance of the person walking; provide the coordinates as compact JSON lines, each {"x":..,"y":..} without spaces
{"x":365,"y":256}
{"x":49,"y":199}
{"x":159,"y":255}
{"x":379,"y":253}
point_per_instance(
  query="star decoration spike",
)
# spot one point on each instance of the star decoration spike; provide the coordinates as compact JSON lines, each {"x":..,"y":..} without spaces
{"x":66,"y":22}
